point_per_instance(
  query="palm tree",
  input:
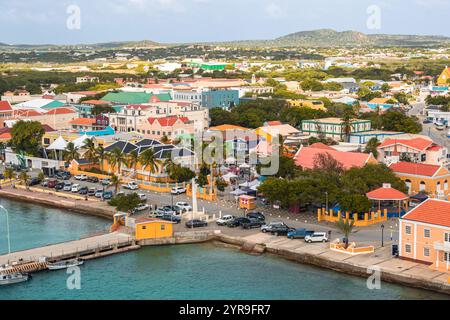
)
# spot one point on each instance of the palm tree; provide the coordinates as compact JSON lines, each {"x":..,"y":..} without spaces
{"x":101,"y":155}
{"x":169,"y":166}
{"x":372,"y":147}
{"x":133,"y":159}
{"x":41,"y":175}
{"x":116,"y":159}
{"x":71,"y":152}
{"x":346,"y":227}
{"x":91,"y":152}
{"x":164,"y":139}
{"x":9,"y":173}
{"x":148,"y":159}
{"x":115,"y":181}
{"x":23,"y":177}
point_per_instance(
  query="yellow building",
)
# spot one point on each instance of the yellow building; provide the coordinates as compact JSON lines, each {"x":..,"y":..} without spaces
{"x":147,"y":228}
{"x":444,"y":78}
{"x":312,"y":104}
{"x":419,"y":177}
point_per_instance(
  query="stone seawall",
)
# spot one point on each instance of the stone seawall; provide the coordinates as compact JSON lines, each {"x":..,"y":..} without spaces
{"x":342,"y":266}
{"x":57,"y":202}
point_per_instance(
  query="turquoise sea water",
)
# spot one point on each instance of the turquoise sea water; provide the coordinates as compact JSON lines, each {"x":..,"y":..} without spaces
{"x":34,"y":226}
{"x":202,"y":271}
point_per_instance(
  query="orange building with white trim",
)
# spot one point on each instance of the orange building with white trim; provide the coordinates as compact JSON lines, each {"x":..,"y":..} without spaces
{"x":425,"y":234}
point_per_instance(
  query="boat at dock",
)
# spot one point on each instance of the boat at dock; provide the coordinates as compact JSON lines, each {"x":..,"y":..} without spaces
{"x":64,"y":264}
{"x":12,"y":278}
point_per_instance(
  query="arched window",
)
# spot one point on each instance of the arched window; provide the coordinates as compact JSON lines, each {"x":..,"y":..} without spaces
{"x":408,"y":184}
{"x":445,"y":185}
{"x":422,"y":186}
{"x":438,"y":186}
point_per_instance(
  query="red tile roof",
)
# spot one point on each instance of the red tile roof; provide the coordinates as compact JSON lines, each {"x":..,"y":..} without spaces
{"x":420,"y":169}
{"x":83,"y":121}
{"x":60,"y":111}
{"x":386,"y":193}
{"x":431,"y":211}
{"x":416,"y":143}
{"x":5,"y":106}
{"x":274,"y":123}
{"x":168,"y":121}
{"x":306,"y":156}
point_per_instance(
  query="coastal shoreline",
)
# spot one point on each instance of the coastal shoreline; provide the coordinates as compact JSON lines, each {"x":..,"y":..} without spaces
{"x":241,"y":243}
{"x":59,"y":202}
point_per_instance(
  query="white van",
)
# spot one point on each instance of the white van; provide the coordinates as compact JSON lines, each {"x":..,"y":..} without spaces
{"x":317,"y":237}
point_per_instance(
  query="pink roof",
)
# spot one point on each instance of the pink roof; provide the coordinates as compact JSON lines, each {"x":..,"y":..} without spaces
{"x":416,"y":143}
{"x":386,"y":193}
{"x":420,"y":169}
{"x":431,"y":211}
{"x":320,"y":145}
{"x":306,"y":155}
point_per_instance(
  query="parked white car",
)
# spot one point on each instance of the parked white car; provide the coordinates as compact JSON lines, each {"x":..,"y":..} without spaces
{"x":224,"y":220}
{"x":76,"y":188}
{"x":131,"y":185}
{"x":67,"y":186}
{"x":81,"y":177}
{"x":142,"y":207}
{"x":178,"y":190}
{"x":317,"y":237}
{"x":142,"y":196}
{"x":185,"y":207}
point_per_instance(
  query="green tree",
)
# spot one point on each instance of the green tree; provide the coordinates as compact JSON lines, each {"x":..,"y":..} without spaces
{"x":115,"y":182}
{"x":71,"y":152}
{"x":372,"y":147}
{"x":116,"y":158}
{"x":133,"y":159}
{"x":101,"y":155}
{"x":26,"y":136}
{"x":91,"y":151}
{"x":41,"y":175}
{"x":311,"y":85}
{"x":355,"y":203}
{"x":147,"y":159}
{"x":24,"y":177}
{"x":125,"y":203}
{"x":9,"y":173}
{"x":346,"y":227}
{"x":385,"y":87}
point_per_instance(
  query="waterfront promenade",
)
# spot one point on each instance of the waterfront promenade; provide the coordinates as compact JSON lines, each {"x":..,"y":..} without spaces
{"x":70,"y":248}
{"x":319,"y":254}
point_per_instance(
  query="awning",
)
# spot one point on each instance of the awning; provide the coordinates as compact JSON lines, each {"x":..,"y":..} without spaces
{"x":59,"y":144}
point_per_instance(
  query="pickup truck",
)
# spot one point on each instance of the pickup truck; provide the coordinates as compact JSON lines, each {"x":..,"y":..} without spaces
{"x":131,"y":185}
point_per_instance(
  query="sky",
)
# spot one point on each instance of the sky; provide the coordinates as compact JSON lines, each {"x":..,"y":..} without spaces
{"x":181,"y":21}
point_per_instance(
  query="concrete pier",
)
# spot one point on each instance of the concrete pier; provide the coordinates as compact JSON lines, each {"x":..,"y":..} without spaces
{"x":88,"y":248}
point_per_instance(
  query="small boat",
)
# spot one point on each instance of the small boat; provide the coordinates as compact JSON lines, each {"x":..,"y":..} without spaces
{"x":64,"y":264}
{"x":12,"y":278}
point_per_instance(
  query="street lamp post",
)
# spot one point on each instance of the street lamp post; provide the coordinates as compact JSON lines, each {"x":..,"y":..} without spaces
{"x":7,"y":228}
{"x":326,"y":201}
{"x":382,"y":235}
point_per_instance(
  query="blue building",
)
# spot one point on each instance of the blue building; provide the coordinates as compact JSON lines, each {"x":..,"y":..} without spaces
{"x":224,"y":99}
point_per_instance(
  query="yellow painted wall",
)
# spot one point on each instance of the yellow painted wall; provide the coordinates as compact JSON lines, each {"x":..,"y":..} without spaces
{"x":154,"y":230}
{"x":313,"y":104}
{"x":430,"y":183}
{"x":444,"y":77}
